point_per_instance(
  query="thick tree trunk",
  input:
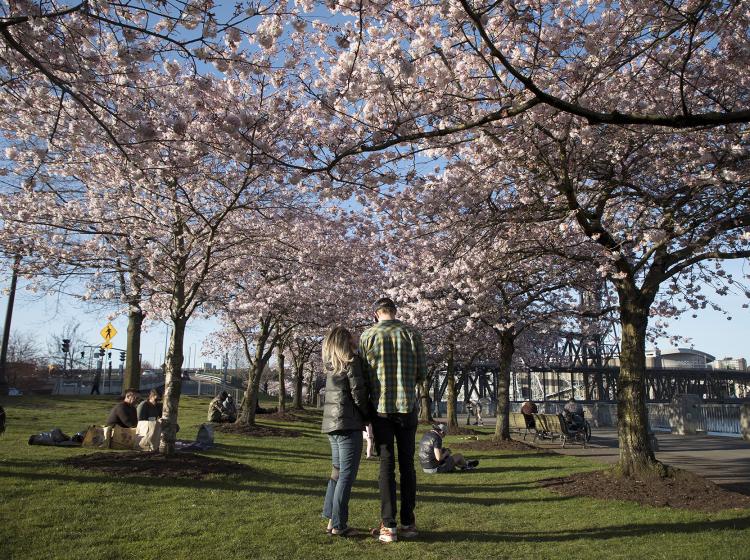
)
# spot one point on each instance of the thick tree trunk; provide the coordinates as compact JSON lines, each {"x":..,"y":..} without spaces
{"x":507,"y":348}
{"x":172,"y":386}
{"x":132,"y":374}
{"x":246,"y":416}
{"x":425,"y":414}
{"x":636,"y":455}
{"x":282,"y":378}
{"x":451,"y":391}
{"x":298,"y":382}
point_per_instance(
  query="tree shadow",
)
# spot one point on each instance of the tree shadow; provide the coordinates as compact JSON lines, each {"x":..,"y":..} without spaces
{"x":593,"y":533}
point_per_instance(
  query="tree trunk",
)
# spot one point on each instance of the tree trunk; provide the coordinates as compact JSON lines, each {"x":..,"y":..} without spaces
{"x":507,"y":348}
{"x":298,"y":379}
{"x":451,"y":391}
{"x":250,"y":401}
{"x":636,"y":455}
{"x":425,"y":414}
{"x":132,"y":374}
{"x":282,"y":378}
{"x":172,"y":386}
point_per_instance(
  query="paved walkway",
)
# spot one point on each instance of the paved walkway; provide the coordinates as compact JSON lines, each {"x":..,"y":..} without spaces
{"x":725,"y":460}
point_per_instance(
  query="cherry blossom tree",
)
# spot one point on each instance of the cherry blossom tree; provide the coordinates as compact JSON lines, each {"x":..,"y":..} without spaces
{"x":169,"y":206}
{"x":309,"y":275}
{"x":648,"y":210}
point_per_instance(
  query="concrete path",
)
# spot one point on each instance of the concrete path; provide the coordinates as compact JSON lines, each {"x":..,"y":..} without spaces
{"x":724,"y":460}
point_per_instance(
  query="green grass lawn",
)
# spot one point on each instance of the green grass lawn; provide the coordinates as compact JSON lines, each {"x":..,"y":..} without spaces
{"x":52,"y":511}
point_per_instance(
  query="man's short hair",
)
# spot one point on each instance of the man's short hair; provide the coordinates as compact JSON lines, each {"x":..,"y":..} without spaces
{"x":386,"y":304}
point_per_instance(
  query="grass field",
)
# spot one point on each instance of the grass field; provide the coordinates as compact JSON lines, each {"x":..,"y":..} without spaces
{"x":51,"y":511}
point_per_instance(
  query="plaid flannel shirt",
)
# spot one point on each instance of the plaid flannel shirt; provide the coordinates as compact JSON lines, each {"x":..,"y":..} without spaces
{"x":394,"y":362}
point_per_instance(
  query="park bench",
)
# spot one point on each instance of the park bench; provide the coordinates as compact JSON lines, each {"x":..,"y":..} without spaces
{"x":553,"y":426}
{"x":517,"y":422}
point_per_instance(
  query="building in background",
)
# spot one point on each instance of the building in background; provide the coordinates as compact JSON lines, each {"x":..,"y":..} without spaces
{"x":736,"y":364}
{"x":678,"y":358}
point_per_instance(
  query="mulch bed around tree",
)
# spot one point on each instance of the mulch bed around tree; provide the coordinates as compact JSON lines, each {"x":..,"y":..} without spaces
{"x":256,"y":431}
{"x":477,"y":444}
{"x":293,"y":416}
{"x":684,"y":490}
{"x":464,"y":431}
{"x":138,"y":463}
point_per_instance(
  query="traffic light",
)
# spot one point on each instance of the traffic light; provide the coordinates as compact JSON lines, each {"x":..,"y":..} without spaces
{"x":122,"y":356}
{"x":101,"y":352}
{"x":66,"y":345}
{"x":83,"y":354}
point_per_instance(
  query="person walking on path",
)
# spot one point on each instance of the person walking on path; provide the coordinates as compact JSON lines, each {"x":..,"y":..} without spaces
{"x":394,"y":362}
{"x":344,"y":415}
{"x":95,"y":384}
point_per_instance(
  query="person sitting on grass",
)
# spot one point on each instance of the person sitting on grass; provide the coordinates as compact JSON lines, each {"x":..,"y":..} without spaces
{"x":434,"y":458}
{"x":151,"y":408}
{"x":124,"y":413}
{"x":216,"y":411}
{"x":230,"y":409}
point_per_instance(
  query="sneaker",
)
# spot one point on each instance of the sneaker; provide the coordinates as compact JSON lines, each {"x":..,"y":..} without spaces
{"x":472,"y":464}
{"x":408,"y":531}
{"x":387,"y":534}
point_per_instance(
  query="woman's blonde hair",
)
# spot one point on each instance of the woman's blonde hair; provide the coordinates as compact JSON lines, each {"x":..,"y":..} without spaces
{"x":338,"y":351}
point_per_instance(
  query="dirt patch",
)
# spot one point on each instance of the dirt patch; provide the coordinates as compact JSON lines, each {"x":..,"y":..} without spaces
{"x":257,"y":430}
{"x":464,"y":431}
{"x":684,"y":490}
{"x":136,"y":463}
{"x":477,"y":444}
{"x":294,"y":416}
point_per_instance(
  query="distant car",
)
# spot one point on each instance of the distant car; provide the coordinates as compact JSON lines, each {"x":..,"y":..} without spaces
{"x":13,"y":392}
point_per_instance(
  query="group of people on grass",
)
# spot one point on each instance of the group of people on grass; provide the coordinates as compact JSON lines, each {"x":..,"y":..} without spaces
{"x":222,"y":408}
{"x":374,"y":384}
{"x":127,"y":414}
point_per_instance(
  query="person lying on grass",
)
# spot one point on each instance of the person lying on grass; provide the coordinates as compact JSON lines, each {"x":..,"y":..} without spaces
{"x":435,"y":458}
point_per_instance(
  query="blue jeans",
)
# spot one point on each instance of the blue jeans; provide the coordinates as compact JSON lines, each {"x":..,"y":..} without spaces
{"x":346,"y":452}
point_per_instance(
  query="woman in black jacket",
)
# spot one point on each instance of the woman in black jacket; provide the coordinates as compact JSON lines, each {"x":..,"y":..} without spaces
{"x":344,"y":417}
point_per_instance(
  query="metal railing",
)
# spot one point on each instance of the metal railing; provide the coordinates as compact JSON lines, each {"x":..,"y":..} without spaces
{"x":658,"y":416}
{"x":723,"y":419}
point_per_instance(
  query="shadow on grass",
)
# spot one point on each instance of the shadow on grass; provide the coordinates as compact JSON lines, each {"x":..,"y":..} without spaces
{"x":594,"y":533}
{"x":266,"y":482}
{"x":251,"y":451}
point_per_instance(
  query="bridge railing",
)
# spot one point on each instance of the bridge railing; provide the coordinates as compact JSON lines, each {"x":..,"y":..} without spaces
{"x":721,"y":419}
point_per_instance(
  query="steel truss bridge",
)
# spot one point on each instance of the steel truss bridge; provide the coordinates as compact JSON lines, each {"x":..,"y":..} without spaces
{"x":588,"y":370}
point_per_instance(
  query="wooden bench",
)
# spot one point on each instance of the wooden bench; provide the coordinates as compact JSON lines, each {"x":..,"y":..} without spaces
{"x":553,"y":426}
{"x":517,"y":422}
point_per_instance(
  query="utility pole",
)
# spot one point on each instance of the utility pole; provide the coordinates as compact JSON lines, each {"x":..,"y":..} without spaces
{"x":6,"y":329}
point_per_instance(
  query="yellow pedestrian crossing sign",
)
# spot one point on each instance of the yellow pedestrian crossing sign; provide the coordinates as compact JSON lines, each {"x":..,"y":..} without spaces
{"x":106,"y":345}
{"x":108,"y":333}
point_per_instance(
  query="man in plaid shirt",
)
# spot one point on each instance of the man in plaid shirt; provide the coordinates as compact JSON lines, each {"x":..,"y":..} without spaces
{"x":393,"y":356}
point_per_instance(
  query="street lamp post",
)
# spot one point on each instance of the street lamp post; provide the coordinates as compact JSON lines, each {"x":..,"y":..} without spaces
{"x":6,"y":329}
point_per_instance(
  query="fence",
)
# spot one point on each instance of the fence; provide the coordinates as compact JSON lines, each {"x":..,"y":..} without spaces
{"x":720,"y":419}
{"x":198,"y":385}
{"x":714,"y":419}
{"x":658,"y":416}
